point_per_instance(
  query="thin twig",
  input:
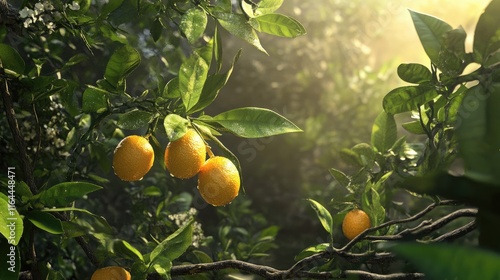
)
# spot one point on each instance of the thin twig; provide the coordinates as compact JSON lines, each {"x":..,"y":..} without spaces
{"x":16,"y":133}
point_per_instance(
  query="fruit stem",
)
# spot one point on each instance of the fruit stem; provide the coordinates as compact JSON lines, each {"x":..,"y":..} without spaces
{"x":209,"y":151}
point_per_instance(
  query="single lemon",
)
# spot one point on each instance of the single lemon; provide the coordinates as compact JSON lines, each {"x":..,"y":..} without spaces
{"x":185,"y":156}
{"x":133,"y":158}
{"x":355,"y":222}
{"x":218,"y":181}
{"x":111,"y":273}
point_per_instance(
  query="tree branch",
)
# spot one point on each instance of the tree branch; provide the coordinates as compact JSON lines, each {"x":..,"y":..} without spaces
{"x":16,"y":133}
{"x":299,"y":269}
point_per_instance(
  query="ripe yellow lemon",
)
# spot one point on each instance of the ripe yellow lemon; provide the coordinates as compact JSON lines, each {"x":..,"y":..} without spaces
{"x":133,"y":158}
{"x":185,"y":156}
{"x":355,"y":222}
{"x":218,"y":181}
{"x":111,"y":273}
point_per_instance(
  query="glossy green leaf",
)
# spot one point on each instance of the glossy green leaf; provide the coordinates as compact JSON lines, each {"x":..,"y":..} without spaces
{"x":45,"y":221}
{"x":253,"y":122}
{"x":414,"y":73}
{"x":267,"y":7}
{"x":384,"y":132}
{"x":212,"y":86}
{"x":323,"y":214}
{"x":10,"y":258}
{"x":408,"y":98}
{"x":64,"y":193}
{"x":206,"y":52}
{"x":174,"y":245}
{"x":238,"y":25}
{"x":478,"y":131}
{"x":192,"y":76}
{"x":94,"y":100}
{"x":431,"y":31}
{"x":175,"y":126}
{"x":312,"y":250}
{"x":279,"y":25}
{"x":365,"y":154}
{"x":11,"y":59}
{"x":414,"y":127}
{"x":123,"y":61}
{"x":486,"y":39}
{"x":454,"y":41}
{"x":248,"y":8}
{"x":125,"y":250}
{"x":193,"y":24}
{"x":450,"y":261}
{"x":11,"y":223}
{"x":341,"y":177}
{"x":171,"y":89}
{"x":134,"y":119}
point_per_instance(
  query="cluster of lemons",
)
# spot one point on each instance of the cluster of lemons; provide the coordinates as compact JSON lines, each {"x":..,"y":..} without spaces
{"x":218,"y":177}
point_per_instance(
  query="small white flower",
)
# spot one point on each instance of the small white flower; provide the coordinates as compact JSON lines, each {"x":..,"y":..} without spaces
{"x":27,"y":22}
{"x":26,"y":12}
{"x":48,"y":6}
{"x":39,"y":8}
{"x":75,"y":6}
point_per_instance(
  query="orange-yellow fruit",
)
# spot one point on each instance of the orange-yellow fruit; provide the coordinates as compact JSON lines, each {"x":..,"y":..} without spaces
{"x":218,"y":181}
{"x":355,"y":222}
{"x":185,"y":156}
{"x":111,"y":273}
{"x":133,"y":158}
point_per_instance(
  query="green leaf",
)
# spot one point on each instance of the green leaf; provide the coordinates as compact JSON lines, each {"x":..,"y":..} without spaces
{"x":156,"y":29}
{"x":11,"y":223}
{"x":218,"y":49}
{"x":431,"y":32}
{"x":175,"y":126}
{"x":65,"y":193}
{"x":408,"y":98}
{"x":109,"y":7}
{"x":341,"y":177}
{"x":414,"y":73}
{"x":10,"y":59}
{"x":206,"y":52}
{"x":478,"y":131}
{"x":414,"y":127}
{"x":238,"y":25}
{"x":124,"y":249}
{"x":252,"y":122}
{"x":212,"y":86}
{"x":174,"y":245}
{"x":10,"y":258}
{"x":171,"y":89}
{"x":193,"y":24}
{"x":94,"y":100}
{"x":279,"y":25}
{"x":123,"y":61}
{"x":248,"y":8}
{"x":365,"y":154}
{"x":486,"y":34}
{"x":267,"y":7}
{"x":309,"y":251}
{"x":323,"y":214}
{"x":449,"y":261}
{"x":384,"y":132}
{"x":134,"y":119}
{"x":192,"y":77}
{"x":45,"y":221}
